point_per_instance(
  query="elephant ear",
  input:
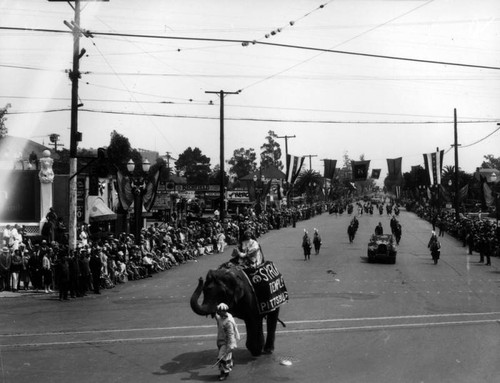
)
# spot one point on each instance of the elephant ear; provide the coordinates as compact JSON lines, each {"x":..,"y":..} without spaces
{"x":210,"y":276}
{"x":239,"y":285}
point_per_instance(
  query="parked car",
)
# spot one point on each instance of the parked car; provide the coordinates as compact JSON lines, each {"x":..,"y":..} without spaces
{"x":382,"y":247}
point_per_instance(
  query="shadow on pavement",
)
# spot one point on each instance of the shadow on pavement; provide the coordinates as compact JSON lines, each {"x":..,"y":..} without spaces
{"x":198,"y":364}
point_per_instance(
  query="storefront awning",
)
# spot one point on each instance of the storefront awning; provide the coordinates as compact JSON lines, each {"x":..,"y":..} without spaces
{"x":99,"y":211}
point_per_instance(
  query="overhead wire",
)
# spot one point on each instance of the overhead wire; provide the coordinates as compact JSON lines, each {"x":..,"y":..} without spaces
{"x":335,"y":46}
{"x":254,"y":119}
{"x":290,"y":46}
{"x":125,"y":86}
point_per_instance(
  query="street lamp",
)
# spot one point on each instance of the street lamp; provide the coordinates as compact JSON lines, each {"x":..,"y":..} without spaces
{"x":312,"y":189}
{"x":139,"y":186}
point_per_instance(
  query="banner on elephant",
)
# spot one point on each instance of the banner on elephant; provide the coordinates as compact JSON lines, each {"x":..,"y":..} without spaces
{"x":268,"y":285}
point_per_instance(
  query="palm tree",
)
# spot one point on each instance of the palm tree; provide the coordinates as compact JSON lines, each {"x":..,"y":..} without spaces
{"x":309,"y":182}
{"x":448,"y":174}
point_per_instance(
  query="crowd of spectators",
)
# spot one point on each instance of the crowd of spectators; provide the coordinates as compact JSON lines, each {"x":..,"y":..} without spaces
{"x":48,"y":265}
{"x":100,"y":263}
{"x":480,"y":234}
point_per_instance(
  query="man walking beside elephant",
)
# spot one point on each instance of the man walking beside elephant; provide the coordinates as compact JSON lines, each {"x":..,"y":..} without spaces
{"x":227,"y":337}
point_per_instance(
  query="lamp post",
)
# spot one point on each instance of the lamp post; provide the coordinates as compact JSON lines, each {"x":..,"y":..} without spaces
{"x":138,"y":184}
{"x":312,"y":189}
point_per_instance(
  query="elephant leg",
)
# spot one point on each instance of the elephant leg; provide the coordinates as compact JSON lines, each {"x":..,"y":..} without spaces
{"x":272,"y":321}
{"x":255,"y":336}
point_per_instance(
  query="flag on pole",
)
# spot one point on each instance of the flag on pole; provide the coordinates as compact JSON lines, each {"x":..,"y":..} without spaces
{"x":360,"y":170}
{"x":330,"y":168}
{"x":376,"y":173}
{"x":394,"y":166}
{"x":434,"y":166}
{"x":293,"y":166}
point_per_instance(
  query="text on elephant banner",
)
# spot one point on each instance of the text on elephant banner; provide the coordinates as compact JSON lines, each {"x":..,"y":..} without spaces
{"x":274,"y":302}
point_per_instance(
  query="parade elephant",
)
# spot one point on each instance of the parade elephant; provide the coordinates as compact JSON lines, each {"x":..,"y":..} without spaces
{"x":231,"y":287}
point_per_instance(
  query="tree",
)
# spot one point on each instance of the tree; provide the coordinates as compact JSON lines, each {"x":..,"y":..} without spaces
{"x":491,"y":162}
{"x":271,"y":152}
{"x":214,"y":176}
{"x":242,"y":162}
{"x":309,"y":182}
{"x":119,"y":152}
{"x":3,"y":129}
{"x":195,"y":165}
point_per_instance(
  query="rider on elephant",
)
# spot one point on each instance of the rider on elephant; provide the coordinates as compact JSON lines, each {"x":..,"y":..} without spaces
{"x":249,"y":252}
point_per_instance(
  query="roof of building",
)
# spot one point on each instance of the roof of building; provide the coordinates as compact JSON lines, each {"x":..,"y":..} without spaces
{"x":16,"y":149}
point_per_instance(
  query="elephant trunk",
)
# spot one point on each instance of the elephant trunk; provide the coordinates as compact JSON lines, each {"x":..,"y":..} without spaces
{"x":195,"y":306}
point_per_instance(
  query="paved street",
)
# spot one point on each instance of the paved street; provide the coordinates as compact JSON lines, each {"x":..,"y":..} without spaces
{"x":347,"y":320}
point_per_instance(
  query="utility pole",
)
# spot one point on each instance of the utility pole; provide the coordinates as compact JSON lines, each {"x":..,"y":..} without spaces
{"x":168,"y":157}
{"x":75,"y":136}
{"x":438,"y":185}
{"x":222,"y":94}
{"x":310,"y":155}
{"x":456,"y":200}
{"x":286,"y":147}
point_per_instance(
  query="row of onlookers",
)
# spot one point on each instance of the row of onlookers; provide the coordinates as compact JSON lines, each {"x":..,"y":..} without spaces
{"x":103,"y":263}
{"x":481,"y":235}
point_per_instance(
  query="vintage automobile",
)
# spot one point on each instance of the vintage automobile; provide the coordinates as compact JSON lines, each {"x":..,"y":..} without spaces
{"x":382,"y":247}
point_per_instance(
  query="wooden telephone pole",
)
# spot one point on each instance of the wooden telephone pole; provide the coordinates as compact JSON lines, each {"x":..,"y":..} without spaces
{"x":222,"y":94}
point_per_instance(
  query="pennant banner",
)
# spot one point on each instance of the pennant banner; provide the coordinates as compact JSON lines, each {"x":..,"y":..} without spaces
{"x":376,"y":173}
{"x":463,"y":192}
{"x":398,"y":192}
{"x":251,"y":190}
{"x":267,"y":190}
{"x":330,"y":168}
{"x":488,"y":195}
{"x":360,"y":170}
{"x":149,"y":196}
{"x":394,"y":166}
{"x":294,"y":164}
{"x":124,"y":189}
{"x":434,"y":166}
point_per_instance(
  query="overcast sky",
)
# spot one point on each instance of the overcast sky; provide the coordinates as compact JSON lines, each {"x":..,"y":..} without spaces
{"x":153,"y":90}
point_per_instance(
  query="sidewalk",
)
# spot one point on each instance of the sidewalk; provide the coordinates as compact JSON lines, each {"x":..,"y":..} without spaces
{"x":24,"y":293}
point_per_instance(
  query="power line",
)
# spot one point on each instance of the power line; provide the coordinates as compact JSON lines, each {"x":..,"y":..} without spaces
{"x":252,"y":119}
{"x":482,"y":139}
{"x":247,"y":42}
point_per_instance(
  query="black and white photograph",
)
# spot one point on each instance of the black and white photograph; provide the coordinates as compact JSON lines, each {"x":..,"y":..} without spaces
{"x":249,"y":191}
